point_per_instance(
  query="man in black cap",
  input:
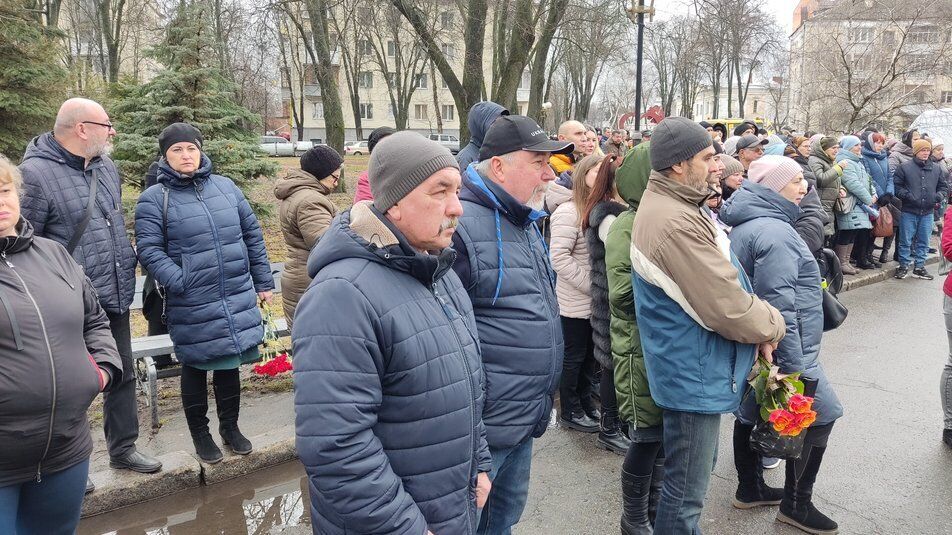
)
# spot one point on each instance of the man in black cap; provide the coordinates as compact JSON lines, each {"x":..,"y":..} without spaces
{"x":503,"y":264}
{"x":749,"y":148}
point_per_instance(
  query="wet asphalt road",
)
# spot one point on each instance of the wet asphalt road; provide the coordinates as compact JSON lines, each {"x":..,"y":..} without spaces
{"x":886,"y":469}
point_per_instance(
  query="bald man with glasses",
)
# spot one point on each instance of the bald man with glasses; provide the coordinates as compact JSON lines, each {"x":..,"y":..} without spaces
{"x":72,"y":194}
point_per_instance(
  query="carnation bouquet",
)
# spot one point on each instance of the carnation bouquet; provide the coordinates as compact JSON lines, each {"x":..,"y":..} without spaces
{"x":786,"y":410}
{"x":275,"y":357}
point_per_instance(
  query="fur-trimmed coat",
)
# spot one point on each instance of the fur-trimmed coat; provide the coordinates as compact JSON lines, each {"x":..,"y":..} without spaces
{"x":600,"y":220}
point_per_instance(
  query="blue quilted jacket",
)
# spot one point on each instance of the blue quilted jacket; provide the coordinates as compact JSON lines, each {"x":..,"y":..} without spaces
{"x":212,"y":266}
{"x":55,"y":197}
{"x":388,"y":387}
{"x":505,"y":267}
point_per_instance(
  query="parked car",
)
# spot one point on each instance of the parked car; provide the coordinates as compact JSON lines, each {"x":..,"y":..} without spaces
{"x":356,"y":147}
{"x":278,"y":146}
{"x":448,"y":141}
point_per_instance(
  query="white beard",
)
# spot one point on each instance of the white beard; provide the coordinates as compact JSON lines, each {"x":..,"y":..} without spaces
{"x":537,"y":201}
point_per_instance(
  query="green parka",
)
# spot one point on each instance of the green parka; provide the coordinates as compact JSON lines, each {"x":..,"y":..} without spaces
{"x":635,"y":405}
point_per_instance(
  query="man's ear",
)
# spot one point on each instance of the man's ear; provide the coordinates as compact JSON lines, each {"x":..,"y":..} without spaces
{"x":679,"y":167}
{"x":496,"y":165}
{"x":394,"y":213}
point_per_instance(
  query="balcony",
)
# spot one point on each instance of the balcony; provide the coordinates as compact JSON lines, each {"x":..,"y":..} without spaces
{"x":522,"y":95}
{"x":312,"y":91}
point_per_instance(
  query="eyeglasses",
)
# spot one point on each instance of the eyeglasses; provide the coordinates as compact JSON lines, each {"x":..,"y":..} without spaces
{"x":108,"y":126}
{"x":336,"y":177}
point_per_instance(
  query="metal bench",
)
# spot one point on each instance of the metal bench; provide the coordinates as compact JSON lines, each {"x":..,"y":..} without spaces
{"x":146,"y":348}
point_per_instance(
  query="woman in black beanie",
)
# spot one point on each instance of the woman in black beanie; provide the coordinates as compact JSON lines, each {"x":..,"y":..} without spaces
{"x":198,"y":237}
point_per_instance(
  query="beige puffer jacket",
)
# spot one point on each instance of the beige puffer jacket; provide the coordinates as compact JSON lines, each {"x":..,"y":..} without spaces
{"x":569,"y":252}
{"x":305,"y":212}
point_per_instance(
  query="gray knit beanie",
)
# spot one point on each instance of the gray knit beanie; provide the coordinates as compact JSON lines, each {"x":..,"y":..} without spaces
{"x":400,"y":163}
{"x":675,"y":140}
{"x":731,"y":165}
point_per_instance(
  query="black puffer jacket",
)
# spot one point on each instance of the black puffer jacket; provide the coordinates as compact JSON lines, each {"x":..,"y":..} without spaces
{"x":920,"y":185}
{"x":55,"y":196}
{"x":604,"y":213}
{"x":53,"y":336}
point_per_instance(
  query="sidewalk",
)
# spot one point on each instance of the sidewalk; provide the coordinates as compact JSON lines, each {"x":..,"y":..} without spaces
{"x":267,"y":418}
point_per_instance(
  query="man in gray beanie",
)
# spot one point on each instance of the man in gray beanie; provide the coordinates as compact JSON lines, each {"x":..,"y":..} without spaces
{"x":697,"y":315}
{"x":385,"y":329}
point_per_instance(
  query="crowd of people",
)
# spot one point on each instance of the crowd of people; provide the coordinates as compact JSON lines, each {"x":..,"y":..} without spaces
{"x":434,"y":322}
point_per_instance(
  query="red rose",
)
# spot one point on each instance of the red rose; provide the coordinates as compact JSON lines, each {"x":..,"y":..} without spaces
{"x":800,"y":404}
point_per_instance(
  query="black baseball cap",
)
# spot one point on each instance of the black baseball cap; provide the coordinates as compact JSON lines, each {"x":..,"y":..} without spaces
{"x":511,"y":133}
{"x":749,"y":140}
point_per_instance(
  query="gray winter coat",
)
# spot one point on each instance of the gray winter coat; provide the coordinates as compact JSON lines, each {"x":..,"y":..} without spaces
{"x":388,"y":387}
{"x":55,"y":195}
{"x":828,"y":182}
{"x":783,"y":272}
{"x":504,"y":266}
{"x":858,"y":184}
{"x":54,"y":337}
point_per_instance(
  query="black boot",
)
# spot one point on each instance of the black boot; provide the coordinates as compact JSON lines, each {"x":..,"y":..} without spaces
{"x":634,"y":516}
{"x":196,"y":409}
{"x":611,"y":434}
{"x":797,"y":508}
{"x":654,"y":495}
{"x":752,"y":491}
{"x":228,"y":400}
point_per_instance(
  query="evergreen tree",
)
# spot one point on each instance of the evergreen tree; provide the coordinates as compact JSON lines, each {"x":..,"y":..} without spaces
{"x":32,"y":79}
{"x":190,"y":88}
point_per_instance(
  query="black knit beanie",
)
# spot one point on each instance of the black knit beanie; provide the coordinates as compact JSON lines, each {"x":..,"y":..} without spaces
{"x":377,"y":135}
{"x":321,"y":161}
{"x":178,"y":133}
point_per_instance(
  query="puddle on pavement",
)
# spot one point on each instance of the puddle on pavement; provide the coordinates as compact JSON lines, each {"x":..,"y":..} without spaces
{"x":257,"y":503}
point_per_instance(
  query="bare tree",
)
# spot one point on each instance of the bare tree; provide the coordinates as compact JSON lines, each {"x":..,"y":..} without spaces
{"x":292,"y":72}
{"x":544,"y":53}
{"x":514,"y":23}
{"x":350,"y":38}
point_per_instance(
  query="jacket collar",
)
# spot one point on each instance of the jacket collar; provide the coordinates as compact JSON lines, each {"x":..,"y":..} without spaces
{"x":927,"y":165}
{"x":19,"y":243}
{"x":171,"y":177}
{"x":485,"y":192}
{"x":668,"y":187}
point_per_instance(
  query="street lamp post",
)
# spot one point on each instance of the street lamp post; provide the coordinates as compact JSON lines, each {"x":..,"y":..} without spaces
{"x":636,"y":14}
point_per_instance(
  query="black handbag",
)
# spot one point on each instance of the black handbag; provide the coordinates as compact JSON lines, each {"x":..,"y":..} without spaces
{"x":834,"y":313}
{"x":766,"y":441}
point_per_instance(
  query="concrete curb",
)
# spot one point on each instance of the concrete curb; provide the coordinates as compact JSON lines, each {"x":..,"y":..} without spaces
{"x":868,"y":277}
{"x":116,"y":489}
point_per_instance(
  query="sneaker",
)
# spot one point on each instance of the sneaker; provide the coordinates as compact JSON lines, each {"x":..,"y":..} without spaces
{"x":921,"y":273}
{"x":769,"y":463}
{"x":902,"y":272}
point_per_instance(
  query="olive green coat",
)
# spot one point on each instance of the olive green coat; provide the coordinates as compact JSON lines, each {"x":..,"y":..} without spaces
{"x":635,"y":405}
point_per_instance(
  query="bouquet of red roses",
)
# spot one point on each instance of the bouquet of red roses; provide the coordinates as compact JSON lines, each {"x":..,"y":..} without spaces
{"x":275,"y":358}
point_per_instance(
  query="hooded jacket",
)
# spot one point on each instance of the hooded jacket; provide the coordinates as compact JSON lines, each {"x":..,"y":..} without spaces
{"x":561,"y":163}
{"x":859,"y":185}
{"x":55,"y":196}
{"x":504,"y":266}
{"x":212,"y":266}
{"x":920,"y":186}
{"x":635,"y":405}
{"x":568,"y":250}
{"x":898,"y":155}
{"x":305,"y":213}
{"x":388,"y":387}
{"x":813,"y":218}
{"x":481,"y":117}
{"x":785,"y":274}
{"x":698,"y":319}
{"x":827,"y":173}
{"x":54,"y":337}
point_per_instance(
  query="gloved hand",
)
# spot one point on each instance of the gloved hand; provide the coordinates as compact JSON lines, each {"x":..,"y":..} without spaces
{"x":885,"y":199}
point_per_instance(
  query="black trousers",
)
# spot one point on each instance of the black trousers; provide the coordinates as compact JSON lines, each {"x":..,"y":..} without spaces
{"x":120,"y":411}
{"x":575,"y":387}
{"x":606,"y":389}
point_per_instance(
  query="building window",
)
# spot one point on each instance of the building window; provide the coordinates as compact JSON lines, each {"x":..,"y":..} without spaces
{"x":449,"y":112}
{"x":364,"y":48}
{"x":526,"y":81}
{"x":947,"y":97}
{"x":446,"y":20}
{"x":317,"y":110}
{"x":391,"y":78}
{"x":923,"y":36}
{"x":449,"y":51}
{"x":443,"y":83}
{"x":861,"y":35}
{"x":421,"y":81}
{"x":419,"y":112}
{"x":889,"y":37}
{"x":366,"y":111}
{"x":391,"y":48}
{"x":391,"y":113}
{"x":365,"y":79}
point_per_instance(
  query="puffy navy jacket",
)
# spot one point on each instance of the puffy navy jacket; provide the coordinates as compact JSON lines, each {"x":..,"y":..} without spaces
{"x":55,"y":195}
{"x":784,"y":273}
{"x":504,"y":266}
{"x":212,"y":266}
{"x":920,"y":185}
{"x":388,"y":388}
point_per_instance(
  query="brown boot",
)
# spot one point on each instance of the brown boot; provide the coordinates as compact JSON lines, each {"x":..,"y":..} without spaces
{"x":843,"y":253}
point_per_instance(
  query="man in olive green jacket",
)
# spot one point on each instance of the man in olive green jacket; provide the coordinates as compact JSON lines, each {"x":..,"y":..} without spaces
{"x":643,"y":470}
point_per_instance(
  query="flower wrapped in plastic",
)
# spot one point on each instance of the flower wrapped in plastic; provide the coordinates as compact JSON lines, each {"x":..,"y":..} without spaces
{"x":786,"y":410}
{"x":276,"y":359}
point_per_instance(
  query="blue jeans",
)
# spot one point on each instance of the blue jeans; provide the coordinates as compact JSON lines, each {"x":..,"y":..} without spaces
{"x":918,"y":229}
{"x":507,"y":499}
{"x":51,"y":507}
{"x":690,"y":446}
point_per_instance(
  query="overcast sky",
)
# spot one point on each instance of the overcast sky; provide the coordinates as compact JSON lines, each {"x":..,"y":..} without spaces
{"x":782,"y":9}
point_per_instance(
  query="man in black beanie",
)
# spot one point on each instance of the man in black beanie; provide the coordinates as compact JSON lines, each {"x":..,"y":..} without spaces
{"x":697,"y":316}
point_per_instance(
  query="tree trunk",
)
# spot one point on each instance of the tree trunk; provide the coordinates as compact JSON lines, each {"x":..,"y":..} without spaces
{"x":436,"y":100}
{"x":326,"y":78}
{"x":538,"y":81}
{"x":521,"y":38}
{"x":730,"y":87}
{"x":111,"y":27}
